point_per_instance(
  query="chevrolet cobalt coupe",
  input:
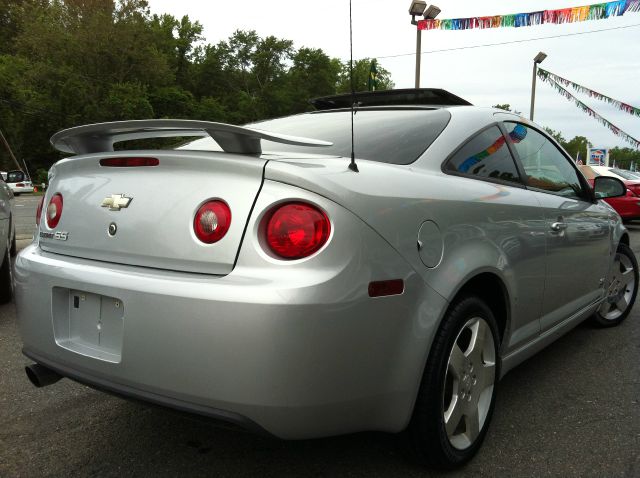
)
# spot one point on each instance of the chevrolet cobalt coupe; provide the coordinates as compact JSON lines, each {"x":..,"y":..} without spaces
{"x":258,"y":276}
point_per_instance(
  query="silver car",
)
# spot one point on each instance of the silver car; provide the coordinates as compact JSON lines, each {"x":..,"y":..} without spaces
{"x":257,"y":276}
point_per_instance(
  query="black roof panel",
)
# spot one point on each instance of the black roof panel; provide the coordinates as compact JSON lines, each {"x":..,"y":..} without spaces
{"x":409,"y":96}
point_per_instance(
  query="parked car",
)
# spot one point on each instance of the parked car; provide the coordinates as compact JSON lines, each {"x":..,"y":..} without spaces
{"x":299,"y":293}
{"x":7,"y":242}
{"x":628,"y":206}
{"x":19,"y":182}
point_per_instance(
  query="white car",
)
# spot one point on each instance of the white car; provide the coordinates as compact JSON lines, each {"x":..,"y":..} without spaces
{"x":18,"y":182}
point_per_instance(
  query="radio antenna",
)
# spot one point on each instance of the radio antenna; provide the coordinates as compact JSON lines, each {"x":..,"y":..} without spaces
{"x":352,"y":165}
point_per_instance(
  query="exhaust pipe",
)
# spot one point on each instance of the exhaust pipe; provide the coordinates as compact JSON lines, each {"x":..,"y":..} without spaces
{"x":41,"y":376}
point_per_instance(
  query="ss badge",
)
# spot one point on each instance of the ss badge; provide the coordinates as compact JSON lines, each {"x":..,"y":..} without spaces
{"x":60,"y":236}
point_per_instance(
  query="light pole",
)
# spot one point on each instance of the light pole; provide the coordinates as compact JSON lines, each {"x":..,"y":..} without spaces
{"x":418,"y":8}
{"x":536,"y":61}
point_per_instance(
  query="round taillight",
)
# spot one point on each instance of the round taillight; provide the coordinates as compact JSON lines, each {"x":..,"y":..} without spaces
{"x":296,"y":230}
{"x":212,"y":221}
{"x":54,"y":210}
{"x":39,"y":210}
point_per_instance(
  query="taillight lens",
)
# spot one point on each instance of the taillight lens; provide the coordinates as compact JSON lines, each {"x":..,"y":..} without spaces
{"x":212,"y":221}
{"x":54,"y":210}
{"x":296,"y":230}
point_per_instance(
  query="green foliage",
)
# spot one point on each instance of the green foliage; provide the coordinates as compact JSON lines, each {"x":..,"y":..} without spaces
{"x":70,"y":62}
{"x":557,"y":135}
{"x":505,"y":106}
{"x":577,"y":145}
{"x":624,"y":157}
{"x":361,"y":70}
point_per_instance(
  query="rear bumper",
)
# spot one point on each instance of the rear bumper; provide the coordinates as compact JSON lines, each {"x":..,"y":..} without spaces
{"x":299,"y":356}
{"x":25,"y":189}
{"x":148,"y":397}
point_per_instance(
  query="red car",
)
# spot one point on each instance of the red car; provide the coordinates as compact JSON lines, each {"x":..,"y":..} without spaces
{"x":627,"y":206}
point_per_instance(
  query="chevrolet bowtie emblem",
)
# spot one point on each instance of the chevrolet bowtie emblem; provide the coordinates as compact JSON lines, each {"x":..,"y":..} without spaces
{"x":116,"y":202}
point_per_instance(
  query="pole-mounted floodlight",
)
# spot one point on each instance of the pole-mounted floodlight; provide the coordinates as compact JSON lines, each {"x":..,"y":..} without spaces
{"x":417,"y":8}
{"x":539,"y":58}
{"x":431,"y":12}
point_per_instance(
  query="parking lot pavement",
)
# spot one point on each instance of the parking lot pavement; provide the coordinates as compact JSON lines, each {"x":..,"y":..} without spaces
{"x":24,"y":211}
{"x":571,"y":410}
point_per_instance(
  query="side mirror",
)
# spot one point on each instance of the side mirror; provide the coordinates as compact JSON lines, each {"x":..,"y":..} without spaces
{"x":608,"y":187}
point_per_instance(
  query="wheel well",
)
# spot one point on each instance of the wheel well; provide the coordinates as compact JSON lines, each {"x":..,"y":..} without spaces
{"x":490,"y":288}
{"x":625,"y":239}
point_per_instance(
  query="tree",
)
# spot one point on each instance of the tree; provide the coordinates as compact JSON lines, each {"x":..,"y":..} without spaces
{"x":505,"y":106}
{"x":577,"y":145}
{"x":361,"y":77}
{"x":70,"y":62}
{"x":557,"y":135}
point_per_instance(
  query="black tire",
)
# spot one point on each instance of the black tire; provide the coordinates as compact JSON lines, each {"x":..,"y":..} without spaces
{"x":621,"y":293}
{"x":6,"y":279}
{"x":427,"y":432}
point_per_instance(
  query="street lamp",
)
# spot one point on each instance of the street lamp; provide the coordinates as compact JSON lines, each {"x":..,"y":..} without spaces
{"x":539,"y":58}
{"x":418,"y":8}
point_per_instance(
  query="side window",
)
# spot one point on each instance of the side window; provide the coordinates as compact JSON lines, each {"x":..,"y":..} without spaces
{"x":545,"y":167}
{"x":485,"y":156}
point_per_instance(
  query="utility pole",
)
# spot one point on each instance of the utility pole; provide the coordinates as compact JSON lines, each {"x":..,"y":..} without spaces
{"x":8,"y":148}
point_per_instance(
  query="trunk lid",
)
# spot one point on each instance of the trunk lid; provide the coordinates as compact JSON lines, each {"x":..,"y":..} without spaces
{"x":156,"y":228}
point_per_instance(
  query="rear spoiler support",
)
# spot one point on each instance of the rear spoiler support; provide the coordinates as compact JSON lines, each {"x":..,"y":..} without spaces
{"x":100,"y":137}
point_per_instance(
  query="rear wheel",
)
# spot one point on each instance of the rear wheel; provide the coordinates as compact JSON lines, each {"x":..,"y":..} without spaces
{"x":622,"y":288}
{"x":457,"y":394}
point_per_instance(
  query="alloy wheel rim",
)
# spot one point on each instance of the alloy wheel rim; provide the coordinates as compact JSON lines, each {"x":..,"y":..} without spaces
{"x":469,"y":383}
{"x":620,"y":290}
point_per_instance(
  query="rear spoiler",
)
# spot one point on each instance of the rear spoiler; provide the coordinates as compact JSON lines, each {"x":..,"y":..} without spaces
{"x":100,"y":137}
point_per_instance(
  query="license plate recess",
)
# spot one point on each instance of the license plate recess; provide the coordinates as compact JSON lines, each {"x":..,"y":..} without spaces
{"x":88,"y":324}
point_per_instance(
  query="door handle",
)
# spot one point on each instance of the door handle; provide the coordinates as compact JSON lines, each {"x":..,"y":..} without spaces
{"x":558,"y":226}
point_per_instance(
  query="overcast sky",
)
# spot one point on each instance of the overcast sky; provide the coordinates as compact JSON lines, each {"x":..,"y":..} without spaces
{"x":608,"y":62}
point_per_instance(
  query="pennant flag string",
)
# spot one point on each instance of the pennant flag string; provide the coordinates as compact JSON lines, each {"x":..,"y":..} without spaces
{"x":632,"y":110}
{"x":614,"y":129}
{"x":597,"y":11}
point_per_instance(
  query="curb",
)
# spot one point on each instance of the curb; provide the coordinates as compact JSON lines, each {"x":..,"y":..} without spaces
{"x":20,"y":237}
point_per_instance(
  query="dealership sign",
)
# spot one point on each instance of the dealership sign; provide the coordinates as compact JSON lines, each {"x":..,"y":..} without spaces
{"x":598,"y":156}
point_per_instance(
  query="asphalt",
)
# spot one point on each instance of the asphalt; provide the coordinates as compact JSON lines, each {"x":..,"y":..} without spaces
{"x":571,"y":410}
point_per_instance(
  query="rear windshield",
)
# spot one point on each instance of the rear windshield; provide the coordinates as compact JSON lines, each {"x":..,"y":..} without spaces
{"x":387,"y":136}
{"x":15,"y":176}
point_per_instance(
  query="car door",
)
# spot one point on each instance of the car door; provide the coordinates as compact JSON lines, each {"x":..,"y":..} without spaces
{"x":578,"y":229}
{"x":498,"y":213}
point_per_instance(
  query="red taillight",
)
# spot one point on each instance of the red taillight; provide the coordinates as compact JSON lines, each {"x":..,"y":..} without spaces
{"x":20,"y":185}
{"x":39,"y":210}
{"x":54,"y":211}
{"x":296,"y":230}
{"x":129,"y":162}
{"x":212,"y":221}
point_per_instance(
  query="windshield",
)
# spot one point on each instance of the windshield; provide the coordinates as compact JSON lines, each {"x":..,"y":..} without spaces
{"x":624,"y":174}
{"x":388,"y":136}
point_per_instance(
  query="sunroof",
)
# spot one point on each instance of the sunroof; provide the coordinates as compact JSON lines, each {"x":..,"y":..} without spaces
{"x":411,"y":96}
